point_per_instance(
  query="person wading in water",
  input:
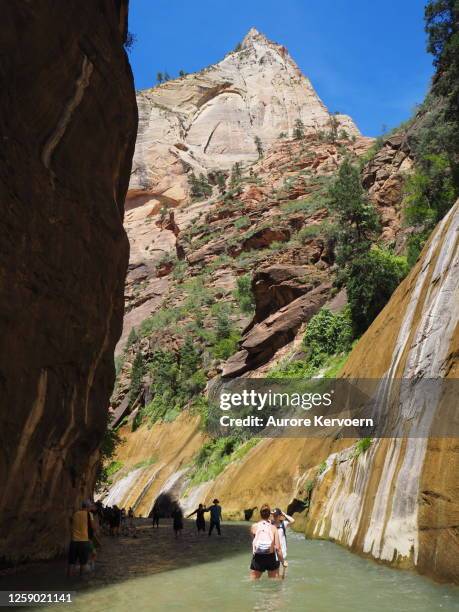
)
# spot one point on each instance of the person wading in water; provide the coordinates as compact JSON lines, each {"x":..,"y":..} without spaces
{"x":266,"y":548}
{"x":80,"y":550}
{"x":200,"y":520}
{"x":177,"y":523}
{"x":215,"y":516}
{"x":281,"y":521}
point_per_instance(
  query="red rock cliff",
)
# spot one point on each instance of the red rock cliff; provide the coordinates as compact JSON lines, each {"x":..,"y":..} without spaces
{"x":68,"y":122}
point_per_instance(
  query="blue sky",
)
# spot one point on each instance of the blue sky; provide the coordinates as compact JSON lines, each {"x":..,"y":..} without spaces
{"x":366,"y":59}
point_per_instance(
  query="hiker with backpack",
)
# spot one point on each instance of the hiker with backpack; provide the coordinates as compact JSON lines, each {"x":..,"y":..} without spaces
{"x":281,"y":521}
{"x":266,"y":547}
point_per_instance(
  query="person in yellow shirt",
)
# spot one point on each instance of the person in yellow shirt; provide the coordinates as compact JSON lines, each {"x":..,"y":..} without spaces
{"x":82,"y":525}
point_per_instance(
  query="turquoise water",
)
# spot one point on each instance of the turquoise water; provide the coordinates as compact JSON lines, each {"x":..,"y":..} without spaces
{"x":321,"y":577}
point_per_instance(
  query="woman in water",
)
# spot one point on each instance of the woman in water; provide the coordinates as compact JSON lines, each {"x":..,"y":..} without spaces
{"x":281,"y":521}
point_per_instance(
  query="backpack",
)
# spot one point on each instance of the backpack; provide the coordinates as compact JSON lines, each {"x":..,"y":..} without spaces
{"x":264,"y":539}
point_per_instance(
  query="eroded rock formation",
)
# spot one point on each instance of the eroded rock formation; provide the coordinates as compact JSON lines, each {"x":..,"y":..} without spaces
{"x":68,"y":123}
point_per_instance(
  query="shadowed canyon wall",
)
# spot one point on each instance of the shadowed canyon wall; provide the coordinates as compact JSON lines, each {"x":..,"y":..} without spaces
{"x":68,"y":122}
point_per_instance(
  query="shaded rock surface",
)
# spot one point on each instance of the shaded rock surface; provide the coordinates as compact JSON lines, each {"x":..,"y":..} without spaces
{"x":63,"y":180}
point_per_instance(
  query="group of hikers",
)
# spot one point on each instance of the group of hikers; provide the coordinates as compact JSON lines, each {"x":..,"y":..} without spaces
{"x":269,"y":537}
{"x":87,"y":524}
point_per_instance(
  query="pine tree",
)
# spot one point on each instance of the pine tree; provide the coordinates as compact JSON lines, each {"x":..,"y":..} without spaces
{"x":159,"y":78}
{"x":236,"y":175}
{"x":132,"y":338}
{"x":357,"y":220}
{"x":137,"y":374}
{"x":298,"y":130}
{"x":259,"y":146}
{"x":333,"y":124}
{"x":223,"y":325}
{"x":221,"y":182}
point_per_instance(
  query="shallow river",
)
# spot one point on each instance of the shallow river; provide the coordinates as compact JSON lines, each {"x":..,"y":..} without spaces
{"x":321,"y":577}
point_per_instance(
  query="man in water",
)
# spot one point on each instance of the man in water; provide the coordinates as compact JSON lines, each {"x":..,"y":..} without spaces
{"x":79,"y":549}
{"x":266,"y":548}
{"x":281,"y":521}
{"x":200,"y":520}
{"x":177,"y":523}
{"x":215,"y":516}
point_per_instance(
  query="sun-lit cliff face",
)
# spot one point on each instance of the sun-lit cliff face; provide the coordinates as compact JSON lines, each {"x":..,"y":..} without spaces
{"x":63,"y":180}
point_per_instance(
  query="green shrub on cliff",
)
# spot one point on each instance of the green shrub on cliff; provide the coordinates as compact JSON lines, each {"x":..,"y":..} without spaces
{"x":327,"y":334}
{"x":244,"y":295}
{"x":371,"y":280}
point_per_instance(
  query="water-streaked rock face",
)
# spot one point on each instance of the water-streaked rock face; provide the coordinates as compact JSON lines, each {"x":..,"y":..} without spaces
{"x":210,"y":119}
{"x":68,"y":123}
{"x":398,"y":502}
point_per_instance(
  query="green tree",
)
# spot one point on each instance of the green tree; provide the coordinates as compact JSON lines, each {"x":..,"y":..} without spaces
{"x":166,"y":76}
{"x":333,"y":125}
{"x":223,"y":325}
{"x":259,"y":146}
{"x":182,"y":73}
{"x":298,"y":130}
{"x":189,"y":358}
{"x":221,"y":182}
{"x":357,"y":221}
{"x":132,"y":338}
{"x":236,"y":175}
{"x":137,"y":374}
{"x":159,"y":78}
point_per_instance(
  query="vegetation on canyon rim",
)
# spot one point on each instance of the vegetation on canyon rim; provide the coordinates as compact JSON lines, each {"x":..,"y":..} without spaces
{"x":370,"y":271}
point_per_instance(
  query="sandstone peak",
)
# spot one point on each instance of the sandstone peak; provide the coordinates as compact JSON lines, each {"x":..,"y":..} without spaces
{"x":253,"y":35}
{"x":211,"y":119}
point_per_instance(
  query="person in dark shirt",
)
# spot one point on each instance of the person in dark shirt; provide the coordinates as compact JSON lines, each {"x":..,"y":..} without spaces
{"x":200,"y":520}
{"x":177,"y":524}
{"x":215,"y":516}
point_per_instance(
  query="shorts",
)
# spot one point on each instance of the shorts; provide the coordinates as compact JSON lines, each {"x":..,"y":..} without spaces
{"x":263,"y":563}
{"x":78,"y":553}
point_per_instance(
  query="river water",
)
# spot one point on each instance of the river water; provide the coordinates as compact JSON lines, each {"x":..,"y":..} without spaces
{"x":321,"y":577}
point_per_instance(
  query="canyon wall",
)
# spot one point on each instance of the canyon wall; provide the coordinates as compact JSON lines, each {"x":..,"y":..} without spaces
{"x":68,"y":123}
